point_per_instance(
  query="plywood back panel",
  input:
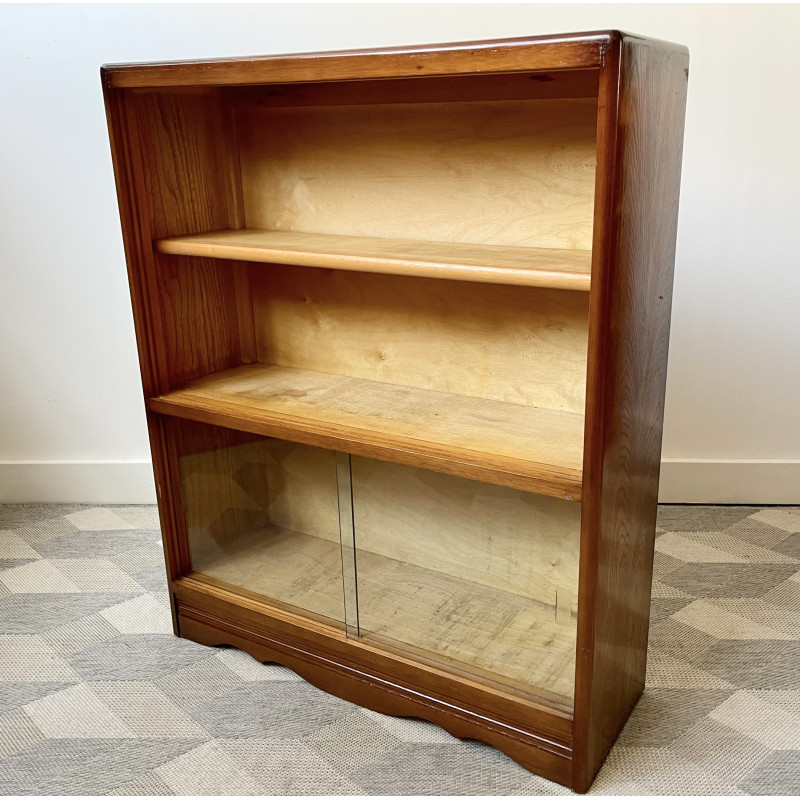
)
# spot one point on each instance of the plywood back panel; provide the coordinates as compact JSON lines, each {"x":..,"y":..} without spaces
{"x":509,"y":172}
{"x":517,"y":542}
{"x":517,"y":345}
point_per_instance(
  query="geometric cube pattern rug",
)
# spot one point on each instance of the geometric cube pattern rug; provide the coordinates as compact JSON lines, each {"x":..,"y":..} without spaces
{"x":97,"y":697}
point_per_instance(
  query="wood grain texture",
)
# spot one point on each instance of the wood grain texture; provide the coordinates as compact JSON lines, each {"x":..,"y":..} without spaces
{"x":529,"y":54}
{"x":188,"y":164}
{"x":515,"y":266}
{"x":137,"y":237}
{"x":514,"y":541}
{"x":188,"y":184}
{"x":516,"y":345}
{"x":299,"y":571}
{"x":642,"y":102}
{"x":482,"y":630}
{"x":523,"y":447}
{"x":557,"y":84}
{"x":200,"y":316}
{"x":501,"y":172}
{"x":451,"y":621}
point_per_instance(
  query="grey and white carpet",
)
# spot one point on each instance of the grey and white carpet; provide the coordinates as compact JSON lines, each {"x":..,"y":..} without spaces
{"x":98,"y":697}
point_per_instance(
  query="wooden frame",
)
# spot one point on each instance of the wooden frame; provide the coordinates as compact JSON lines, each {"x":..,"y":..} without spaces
{"x":217,"y":322}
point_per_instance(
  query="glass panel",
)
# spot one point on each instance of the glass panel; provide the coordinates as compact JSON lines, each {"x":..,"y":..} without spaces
{"x":478,"y":578}
{"x":262,"y":514}
{"x":347,"y":536}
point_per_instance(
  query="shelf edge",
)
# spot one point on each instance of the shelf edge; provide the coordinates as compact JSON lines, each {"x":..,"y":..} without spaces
{"x":561,"y":482}
{"x":538,"y":278}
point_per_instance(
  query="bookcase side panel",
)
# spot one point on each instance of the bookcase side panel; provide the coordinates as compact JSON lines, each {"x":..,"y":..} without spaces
{"x":174,"y":172}
{"x":137,"y":239}
{"x":190,"y":183}
{"x":637,"y":206}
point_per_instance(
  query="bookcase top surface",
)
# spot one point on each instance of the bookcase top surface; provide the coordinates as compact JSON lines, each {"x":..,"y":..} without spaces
{"x":530,"y":53}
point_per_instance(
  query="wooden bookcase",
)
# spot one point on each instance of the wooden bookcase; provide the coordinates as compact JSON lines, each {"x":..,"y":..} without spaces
{"x":403,"y":319}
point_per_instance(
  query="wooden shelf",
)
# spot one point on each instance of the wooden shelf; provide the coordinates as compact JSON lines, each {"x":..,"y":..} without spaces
{"x":524,"y":447}
{"x":457,"y":622}
{"x":518,"y":266}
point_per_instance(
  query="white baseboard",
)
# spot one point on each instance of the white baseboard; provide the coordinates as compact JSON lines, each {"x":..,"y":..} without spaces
{"x":122,"y":482}
{"x":750,"y":482}
{"x":746,"y":482}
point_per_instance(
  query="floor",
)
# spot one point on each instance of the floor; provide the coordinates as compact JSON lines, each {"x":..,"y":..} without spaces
{"x":98,"y":697}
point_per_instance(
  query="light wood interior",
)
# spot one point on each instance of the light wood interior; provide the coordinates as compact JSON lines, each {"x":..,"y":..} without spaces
{"x":479,"y":577}
{"x":483,"y":381}
{"x":471,"y":189}
{"x":474,"y":628}
{"x":504,"y":172}
{"x":515,"y":541}
{"x":524,"y":346}
{"x":385,"y":279}
{"x":515,"y":266}
{"x":368,"y":206}
{"x":477,"y":628}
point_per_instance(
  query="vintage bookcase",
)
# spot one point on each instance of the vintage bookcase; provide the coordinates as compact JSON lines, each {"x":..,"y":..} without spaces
{"x":403,"y":319}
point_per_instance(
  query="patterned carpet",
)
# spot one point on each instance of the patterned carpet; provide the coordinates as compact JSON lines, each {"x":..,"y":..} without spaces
{"x":97,"y":697}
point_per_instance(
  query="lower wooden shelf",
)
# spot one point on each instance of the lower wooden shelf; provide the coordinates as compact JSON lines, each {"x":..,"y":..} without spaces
{"x":471,"y":627}
{"x":524,"y":447}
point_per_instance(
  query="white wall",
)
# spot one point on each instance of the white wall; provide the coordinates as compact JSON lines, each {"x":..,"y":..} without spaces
{"x":71,"y":413}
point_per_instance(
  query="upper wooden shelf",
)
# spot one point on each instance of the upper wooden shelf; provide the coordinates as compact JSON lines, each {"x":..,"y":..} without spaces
{"x":525,"y":447}
{"x":517,"y":266}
